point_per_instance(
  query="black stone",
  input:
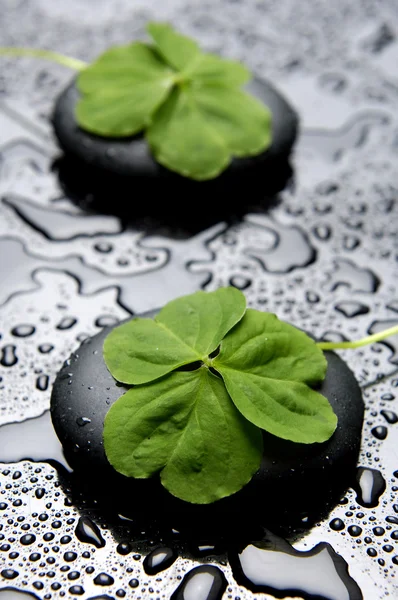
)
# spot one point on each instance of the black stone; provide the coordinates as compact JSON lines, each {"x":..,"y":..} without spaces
{"x":132,"y":157}
{"x":112,"y":175}
{"x":295,"y":484}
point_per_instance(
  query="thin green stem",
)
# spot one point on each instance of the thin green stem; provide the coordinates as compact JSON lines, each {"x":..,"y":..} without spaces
{"x":370,"y":339}
{"x":61,"y":59}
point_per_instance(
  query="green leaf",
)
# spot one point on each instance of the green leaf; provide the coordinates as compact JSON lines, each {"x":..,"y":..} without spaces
{"x":202,"y":319}
{"x":199,"y":129}
{"x":213,"y":69}
{"x":186,"y":330}
{"x":141,"y":350}
{"x":181,"y":140}
{"x":242,"y":122}
{"x":267,"y":366}
{"x":185,"y":427}
{"x":202,"y":429}
{"x":122,"y":89}
{"x":190,"y":104}
{"x":177,"y":50}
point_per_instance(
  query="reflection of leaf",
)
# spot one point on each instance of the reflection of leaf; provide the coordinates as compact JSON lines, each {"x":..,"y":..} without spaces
{"x":190,"y":104}
{"x":202,"y":432}
{"x":185,"y":427}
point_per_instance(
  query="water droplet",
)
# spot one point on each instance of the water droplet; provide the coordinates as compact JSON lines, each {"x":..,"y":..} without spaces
{"x":240,"y":282}
{"x":45,"y":348}
{"x":351,"y":308}
{"x":206,"y":582}
{"x":27,"y":539}
{"x":106,"y":321}
{"x":70,"y":556}
{"x":390,"y":416}
{"x":380,"y":432}
{"x":350,"y":242}
{"x":23,"y":331}
{"x":42,"y":382}
{"x":123,"y":548}
{"x":65,"y":539}
{"x":103,"y":579}
{"x":39,"y":493}
{"x":312,"y":297}
{"x":337,"y":524}
{"x":8,"y":357}
{"x":35,"y":556}
{"x":369,"y":486}
{"x":81,"y":421}
{"x":322,"y":232}
{"x":87,"y":531}
{"x":9,"y":573}
{"x":103,"y":247}
{"x":66,"y":323}
{"x":355,"y":278}
{"x":354,"y":530}
{"x":158,"y":560}
{"x":76,"y":590}
{"x":38,"y":585}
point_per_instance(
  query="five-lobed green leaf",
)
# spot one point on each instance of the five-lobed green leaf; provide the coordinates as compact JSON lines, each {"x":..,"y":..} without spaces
{"x":190,"y":104}
{"x":202,"y":429}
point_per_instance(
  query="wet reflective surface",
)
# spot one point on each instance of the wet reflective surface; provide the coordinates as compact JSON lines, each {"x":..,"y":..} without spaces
{"x":321,"y":253}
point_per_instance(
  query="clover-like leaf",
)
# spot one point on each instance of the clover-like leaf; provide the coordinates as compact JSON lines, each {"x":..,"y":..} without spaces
{"x":186,"y":330}
{"x":122,"y":89}
{"x":202,"y":319}
{"x":185,"y":427}
{"x":210,"y":68}
{"x":190,"y":104}
{"x":267,"y":366}
{"x":202,"y":429}
{"x":177,"y":50}
{"x":199,"y":129}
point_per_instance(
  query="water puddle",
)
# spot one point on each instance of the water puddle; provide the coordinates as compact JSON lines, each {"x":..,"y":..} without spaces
{"x":276,"y":568}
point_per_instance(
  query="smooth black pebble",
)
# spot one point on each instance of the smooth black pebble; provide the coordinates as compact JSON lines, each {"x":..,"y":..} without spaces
{"x":295,"y":484}
{"x":95,"y":169}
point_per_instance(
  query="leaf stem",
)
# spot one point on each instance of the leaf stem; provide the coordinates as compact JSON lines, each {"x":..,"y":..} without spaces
{"x":370,"y":339}
{"x":61,"y":59}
